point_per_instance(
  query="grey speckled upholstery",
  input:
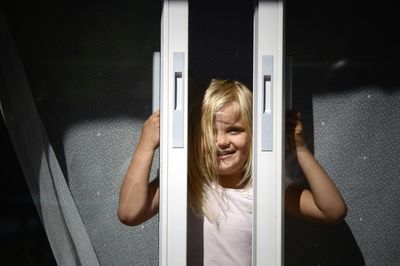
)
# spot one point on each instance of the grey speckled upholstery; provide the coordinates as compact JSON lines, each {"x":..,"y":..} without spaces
{"x":356,"y":140}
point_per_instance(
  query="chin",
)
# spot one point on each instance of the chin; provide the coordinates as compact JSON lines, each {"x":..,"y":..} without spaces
{"x":226,"y":171}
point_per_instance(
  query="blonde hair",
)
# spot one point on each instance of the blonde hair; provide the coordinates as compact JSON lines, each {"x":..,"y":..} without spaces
{"x":202,"y":152}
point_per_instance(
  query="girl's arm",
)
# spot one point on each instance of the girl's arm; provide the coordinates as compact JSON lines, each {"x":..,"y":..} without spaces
{"x":139,"y":200}
{"x":323,"y":201}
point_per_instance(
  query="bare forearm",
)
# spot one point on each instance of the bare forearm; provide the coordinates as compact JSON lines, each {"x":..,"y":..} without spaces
{"x":134,"y":192}
{"x":325,"y":193}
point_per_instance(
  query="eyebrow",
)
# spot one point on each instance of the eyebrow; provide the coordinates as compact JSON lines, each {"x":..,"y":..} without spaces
{"x":235,"y":127}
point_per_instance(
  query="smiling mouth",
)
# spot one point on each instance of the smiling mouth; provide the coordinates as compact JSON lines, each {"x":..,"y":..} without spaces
{"x":224,"y":154}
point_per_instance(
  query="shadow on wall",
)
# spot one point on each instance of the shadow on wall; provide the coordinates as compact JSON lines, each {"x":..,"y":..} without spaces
{"x":332,"y":245}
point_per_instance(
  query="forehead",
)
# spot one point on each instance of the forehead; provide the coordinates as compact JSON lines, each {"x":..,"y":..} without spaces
{"x":228,"y":114}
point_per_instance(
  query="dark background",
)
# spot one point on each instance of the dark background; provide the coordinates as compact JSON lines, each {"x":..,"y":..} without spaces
{"x":319,"y":34}
{"x":22,"y":238}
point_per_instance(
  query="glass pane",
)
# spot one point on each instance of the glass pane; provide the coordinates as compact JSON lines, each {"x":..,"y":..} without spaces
{"x":221,"y":40}
{"x":89,"y":66}
{"x":220,"y":47}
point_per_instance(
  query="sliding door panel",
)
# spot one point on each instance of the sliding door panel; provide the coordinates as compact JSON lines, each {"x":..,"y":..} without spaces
{"x":267,"y":131}
{"x":173,"y":142}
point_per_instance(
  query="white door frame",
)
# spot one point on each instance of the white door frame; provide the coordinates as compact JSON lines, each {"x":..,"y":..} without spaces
{"x":268,"y":125}
{"x":173,"y":133}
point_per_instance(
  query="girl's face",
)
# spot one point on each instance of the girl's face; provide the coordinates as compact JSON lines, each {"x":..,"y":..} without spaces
{"x":233,"y":143}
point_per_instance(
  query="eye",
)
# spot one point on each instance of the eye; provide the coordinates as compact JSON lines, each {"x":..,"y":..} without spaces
{"x":235,"y":130}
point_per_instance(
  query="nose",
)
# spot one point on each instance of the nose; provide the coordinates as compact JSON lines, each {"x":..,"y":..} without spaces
{"x":222,"y":141}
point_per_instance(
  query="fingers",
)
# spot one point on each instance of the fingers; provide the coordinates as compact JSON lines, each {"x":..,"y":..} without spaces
{"x":294,"y":130}
{"x":293,"y":119}
{"x":156,"y":113}
{"x":293,"y":116}
{"x":150,"y":137}
{"x":154,"y":118}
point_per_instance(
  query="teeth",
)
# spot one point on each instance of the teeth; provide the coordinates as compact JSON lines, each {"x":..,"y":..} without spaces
{"x":225,"y":152}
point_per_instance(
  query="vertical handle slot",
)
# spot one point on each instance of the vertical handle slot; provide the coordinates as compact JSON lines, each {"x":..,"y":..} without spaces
{"x":178,"y":91}
{"x":267,"y":94}
{"x":178,"y":104}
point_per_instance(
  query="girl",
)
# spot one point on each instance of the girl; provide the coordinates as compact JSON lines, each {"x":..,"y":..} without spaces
{"x":220,"y":181}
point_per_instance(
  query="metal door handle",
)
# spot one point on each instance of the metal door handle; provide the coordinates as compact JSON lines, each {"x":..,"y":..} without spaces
{"x":267,"y":94}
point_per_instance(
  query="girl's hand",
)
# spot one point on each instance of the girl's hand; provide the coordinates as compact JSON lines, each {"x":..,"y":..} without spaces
{"x":150,"y":138}
{"x":294,"y":130}
{"x":322,"y":201}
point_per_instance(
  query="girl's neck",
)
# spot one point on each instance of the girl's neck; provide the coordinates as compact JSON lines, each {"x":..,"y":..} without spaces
{"x":231,"y":181}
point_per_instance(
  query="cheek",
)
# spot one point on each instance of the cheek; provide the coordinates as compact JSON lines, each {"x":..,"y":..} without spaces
{"x":243,"y":143}
{"x":246,"y":149}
